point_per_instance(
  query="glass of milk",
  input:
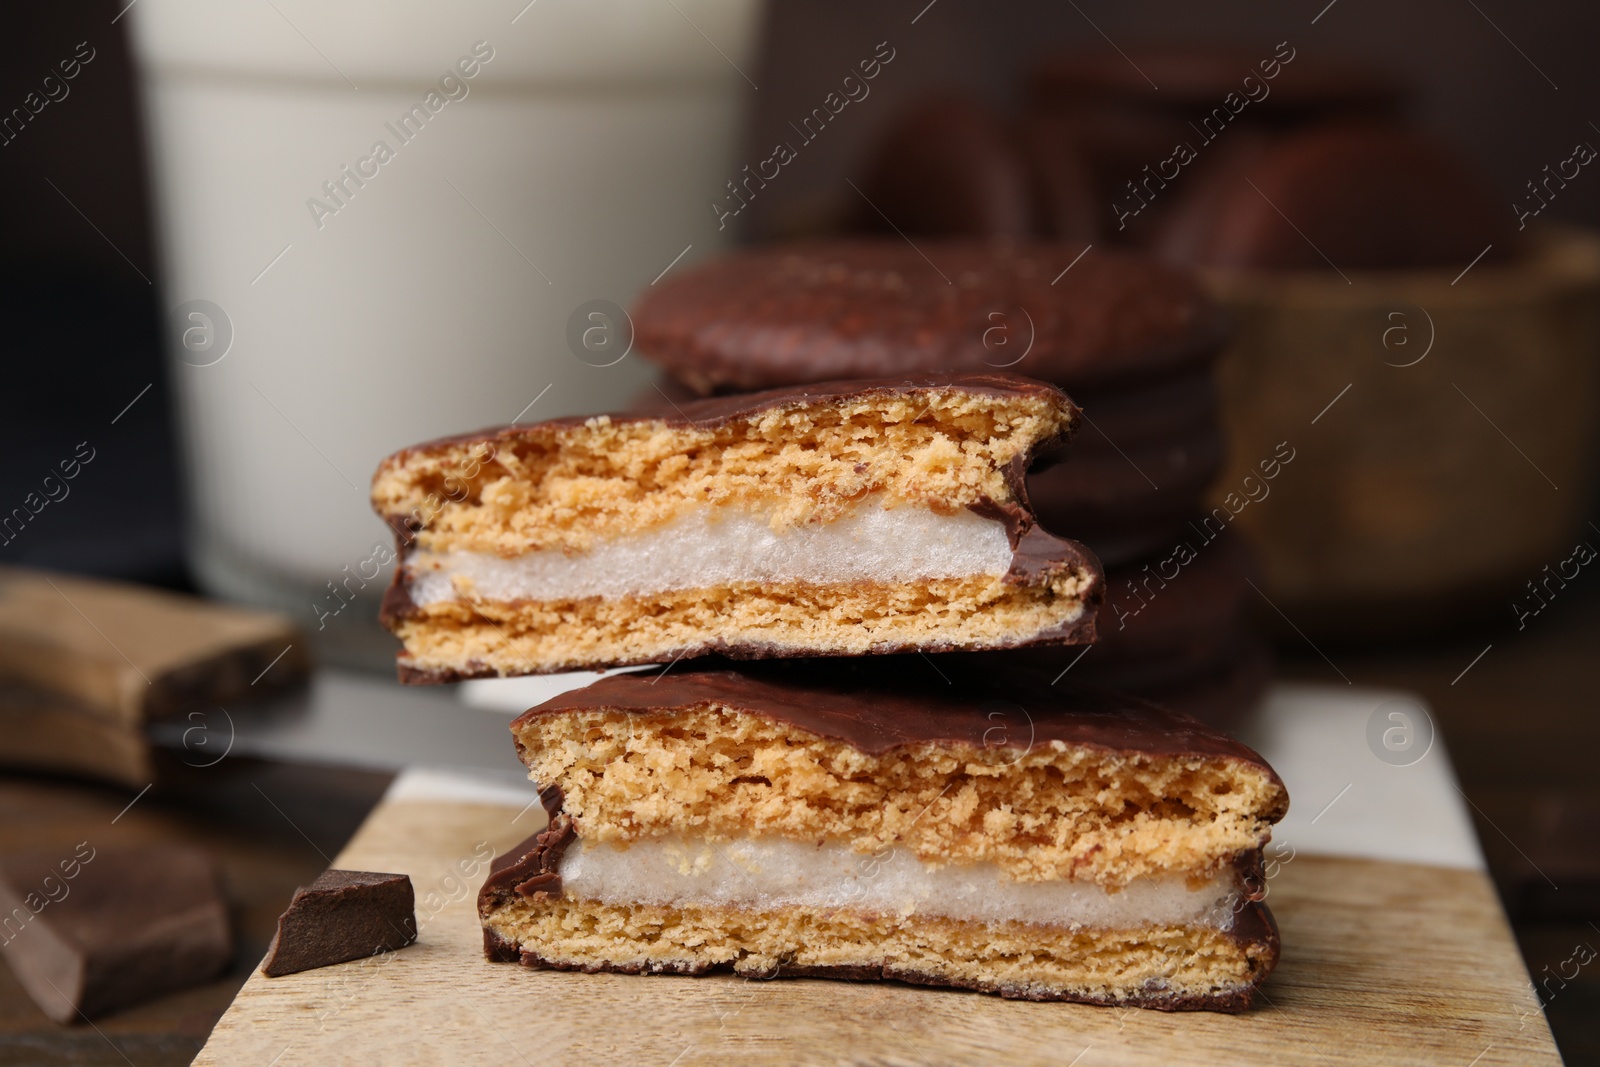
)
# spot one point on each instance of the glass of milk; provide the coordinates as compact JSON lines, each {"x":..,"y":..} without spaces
{"x":383,"y":222}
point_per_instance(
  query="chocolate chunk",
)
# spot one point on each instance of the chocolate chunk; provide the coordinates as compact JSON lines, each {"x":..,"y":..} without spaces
{"x":146,"y":655}
{"x":343,"y":915}
{"x":87,"y":929}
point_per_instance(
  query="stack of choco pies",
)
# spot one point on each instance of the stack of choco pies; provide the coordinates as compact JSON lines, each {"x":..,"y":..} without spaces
{"x":844,"y":755}
{"x":1132,"y":342}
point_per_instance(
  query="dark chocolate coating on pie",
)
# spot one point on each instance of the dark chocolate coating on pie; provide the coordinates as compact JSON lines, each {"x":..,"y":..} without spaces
{"x":946,"y":166}
{"x":1344,"y":196}
{"x":1193,"y":79}
{"x":1104,"y":495}
{"x":879,"y":703}
{"x":787,"y":315}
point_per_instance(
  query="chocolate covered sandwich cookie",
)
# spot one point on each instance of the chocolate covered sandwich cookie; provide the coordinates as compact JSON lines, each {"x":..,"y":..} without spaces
{"x":844,"y":518}
{"x":884,"y":820}
{"x":1060,"y":312}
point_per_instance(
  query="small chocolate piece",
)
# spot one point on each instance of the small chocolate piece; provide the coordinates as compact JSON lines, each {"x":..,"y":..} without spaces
{"x":795,"y":314}
{"x":88,"y":929}
{"x":343,"y":915}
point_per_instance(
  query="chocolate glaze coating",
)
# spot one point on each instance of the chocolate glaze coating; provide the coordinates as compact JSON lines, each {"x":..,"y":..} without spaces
{"x":1035,"y":553}
{"x":1127,"y":489}
{"x":946,"y":165}
{"x":1195,"y":79}
{"x":881,"y":703}
{"x":713,"y":412}
{"x":808,"y":312}
{"x":1363,"y":196}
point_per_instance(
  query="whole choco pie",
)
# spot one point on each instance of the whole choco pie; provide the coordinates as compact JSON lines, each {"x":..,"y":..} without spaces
{"x":1060,"y":312}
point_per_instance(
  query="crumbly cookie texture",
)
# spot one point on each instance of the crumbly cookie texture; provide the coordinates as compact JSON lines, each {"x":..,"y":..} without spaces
{"x":490,"y":638}
{"x":1052,"y":811}
{"x":889,"y":818}
{"x":568,"y":483}
{"x":843,"y":519}
{"x":1154,"y":966}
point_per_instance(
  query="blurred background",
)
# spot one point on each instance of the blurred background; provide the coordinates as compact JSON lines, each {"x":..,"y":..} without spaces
{"x":234,"y":359}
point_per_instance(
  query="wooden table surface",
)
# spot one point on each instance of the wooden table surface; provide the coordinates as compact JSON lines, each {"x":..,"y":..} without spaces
{"x":1384,"y":963}
{"x":1523,"y":726}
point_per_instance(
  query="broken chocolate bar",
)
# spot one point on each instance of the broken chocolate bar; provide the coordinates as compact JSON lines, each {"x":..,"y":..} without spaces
{"x":135,"y":654}
{"x":88,"y":929}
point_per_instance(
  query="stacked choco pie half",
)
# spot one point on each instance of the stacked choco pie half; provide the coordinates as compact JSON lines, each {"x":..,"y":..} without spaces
{"x":1131,"y":341}
{"x":830,"y":774}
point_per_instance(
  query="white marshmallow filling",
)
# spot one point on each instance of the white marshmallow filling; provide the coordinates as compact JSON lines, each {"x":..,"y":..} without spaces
{"x":720,"y":545}
{"x":772,"y":874}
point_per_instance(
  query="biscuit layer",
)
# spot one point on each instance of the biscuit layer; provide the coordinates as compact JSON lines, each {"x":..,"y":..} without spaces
{"x":482,"y":638}
{"x":1046,"y":811}
{"x":569,"y":484}
{"x":1155,"y":965}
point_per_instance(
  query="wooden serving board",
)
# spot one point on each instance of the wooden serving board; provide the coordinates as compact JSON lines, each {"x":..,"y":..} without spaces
{"x":1383,"y":963}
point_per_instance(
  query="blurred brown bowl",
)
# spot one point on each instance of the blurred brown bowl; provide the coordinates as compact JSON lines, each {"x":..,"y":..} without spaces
{"x":1442,"y":425}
